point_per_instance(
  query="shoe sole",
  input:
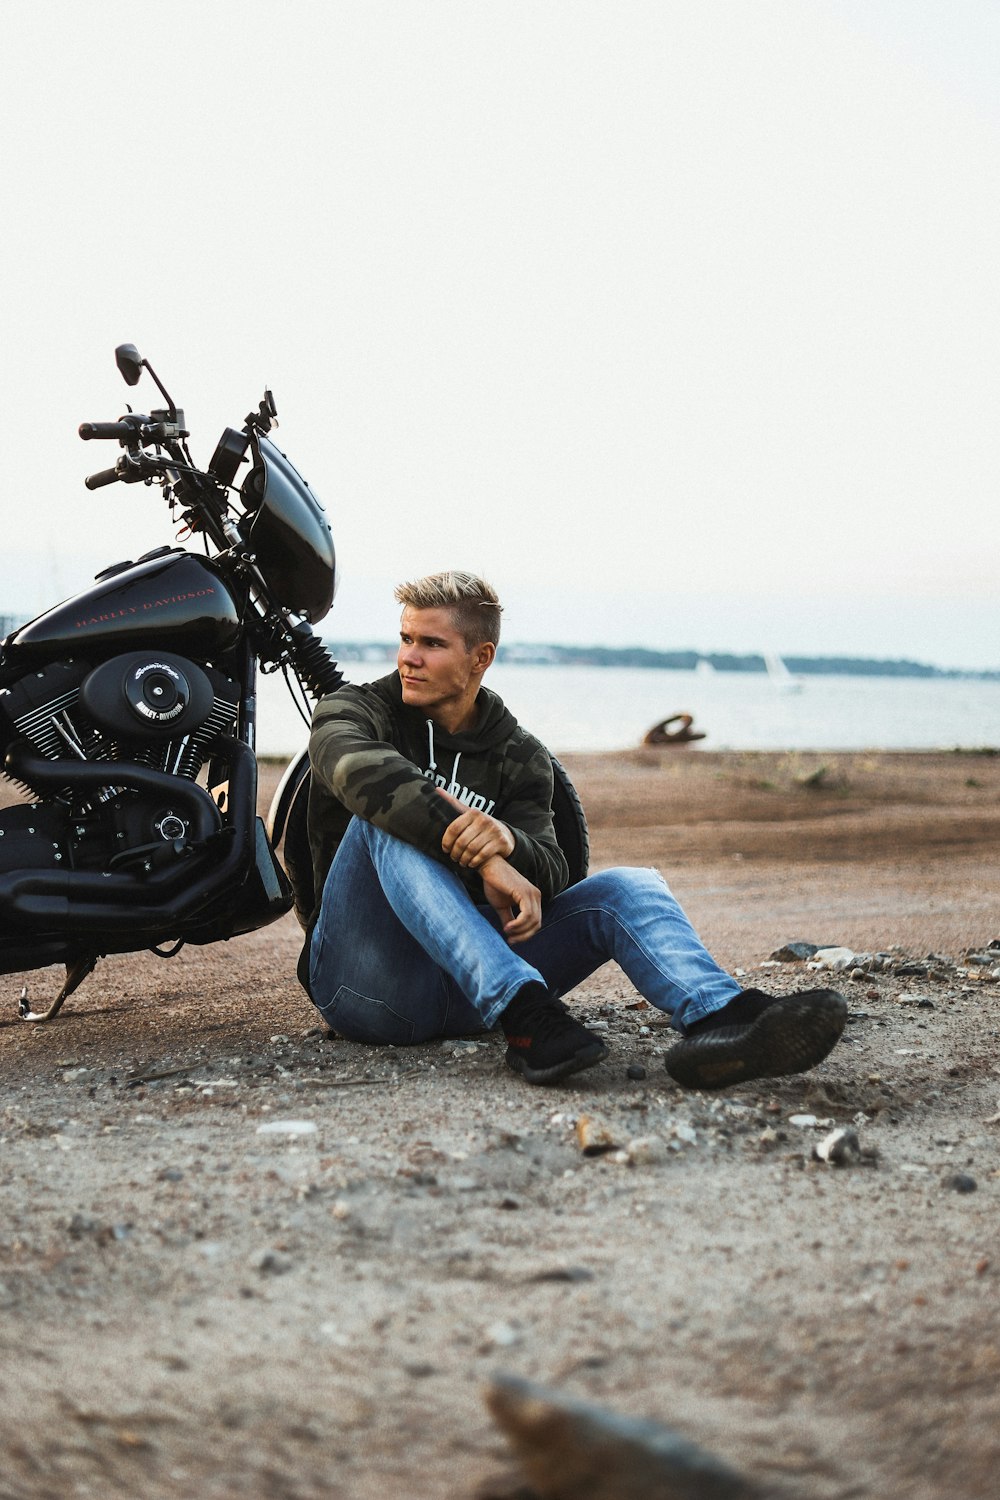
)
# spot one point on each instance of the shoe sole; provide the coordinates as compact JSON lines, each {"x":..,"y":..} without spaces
{"x":791,"y":1036}
{"x":587,"y":1057}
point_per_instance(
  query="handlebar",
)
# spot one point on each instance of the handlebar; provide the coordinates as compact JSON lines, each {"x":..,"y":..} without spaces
{"x":134,"y":467}
{"x":121,"y":430}
{"x":99,"y":480}
{"x":129,"y":430}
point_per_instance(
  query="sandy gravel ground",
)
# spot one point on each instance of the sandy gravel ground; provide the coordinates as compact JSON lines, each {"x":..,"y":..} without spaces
{"x":191,"y":1307}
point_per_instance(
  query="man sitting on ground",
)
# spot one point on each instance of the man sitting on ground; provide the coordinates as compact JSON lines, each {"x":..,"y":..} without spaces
{"x":444,"y":905}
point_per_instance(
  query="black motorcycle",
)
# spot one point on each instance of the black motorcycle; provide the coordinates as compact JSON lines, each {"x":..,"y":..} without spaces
{"x":128,"y":713}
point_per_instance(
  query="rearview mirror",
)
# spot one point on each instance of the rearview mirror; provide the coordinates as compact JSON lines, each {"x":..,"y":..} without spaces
{"x":130,"y":363}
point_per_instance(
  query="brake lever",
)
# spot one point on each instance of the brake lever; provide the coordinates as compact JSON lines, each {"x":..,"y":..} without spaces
{"x":133,"y":467}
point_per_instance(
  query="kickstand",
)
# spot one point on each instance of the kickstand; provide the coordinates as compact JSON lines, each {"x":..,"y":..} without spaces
{"x":76,"y":973}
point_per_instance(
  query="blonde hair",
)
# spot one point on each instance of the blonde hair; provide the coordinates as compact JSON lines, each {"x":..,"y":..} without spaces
{"x":474,"y":606}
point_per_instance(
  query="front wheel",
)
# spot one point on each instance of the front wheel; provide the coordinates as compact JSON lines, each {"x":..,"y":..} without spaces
{"x":570,"y":822}
{"x":288,"y":825}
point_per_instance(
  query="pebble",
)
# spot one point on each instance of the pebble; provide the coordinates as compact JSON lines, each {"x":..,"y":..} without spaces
{"x":961,"y":1182}
{"x":570,"y":1273}
{"x":841,"y":1148}
{"x":287,"y":1127}
{"x":334,"y":1334}
{"x":572,"y":1447}
{"x":501,"y":1336}
{"x":834,"y":959}
{"x":644,"y":1151}
{"x":270,"y":1262}
{"x":80,"y":1224}
{"x":594,"y":1137}
{"x":459,"y":1049}
{"x":794,"y":952}
{"x":635,"y":1071}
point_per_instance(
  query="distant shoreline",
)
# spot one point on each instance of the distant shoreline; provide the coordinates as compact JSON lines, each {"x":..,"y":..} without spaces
{"x":549,"y":655}
{"x":683,"y":661}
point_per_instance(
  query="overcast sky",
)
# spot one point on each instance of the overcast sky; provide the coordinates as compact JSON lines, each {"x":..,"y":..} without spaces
{"x":679,"y":321}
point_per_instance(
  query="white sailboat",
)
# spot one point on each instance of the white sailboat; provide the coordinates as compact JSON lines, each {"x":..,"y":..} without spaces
{"x":781,"y":679}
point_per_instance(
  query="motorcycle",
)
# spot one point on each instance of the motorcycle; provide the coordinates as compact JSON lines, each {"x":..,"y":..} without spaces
{"x":128,"y":715}
{"x":128,"y":712}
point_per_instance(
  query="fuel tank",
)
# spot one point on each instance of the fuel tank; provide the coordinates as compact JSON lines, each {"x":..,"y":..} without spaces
{"x":169,"y":599}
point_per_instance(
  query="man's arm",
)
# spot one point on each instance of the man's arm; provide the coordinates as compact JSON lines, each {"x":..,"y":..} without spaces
{"x":474,"y":837}
{"x":512,"y":896}
{"x":527,"y":812}
{"x":352,"y":757}
{"x":525,"y":835}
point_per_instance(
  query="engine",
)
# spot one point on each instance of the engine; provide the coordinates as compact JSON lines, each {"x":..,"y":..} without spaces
{"x":153,"y":708}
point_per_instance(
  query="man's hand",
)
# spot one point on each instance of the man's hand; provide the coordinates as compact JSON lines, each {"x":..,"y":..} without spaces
{"x":512,"y":896}
{"x":475,"y":837}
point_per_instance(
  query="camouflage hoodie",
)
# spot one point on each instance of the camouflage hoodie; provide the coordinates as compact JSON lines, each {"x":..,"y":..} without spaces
{"x":374,"y":756}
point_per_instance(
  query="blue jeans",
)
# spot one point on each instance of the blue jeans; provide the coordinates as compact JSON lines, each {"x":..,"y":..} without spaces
{"x":401,"y":954}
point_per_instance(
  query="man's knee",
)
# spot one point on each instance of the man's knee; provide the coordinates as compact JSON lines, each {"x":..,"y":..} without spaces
{"x":383,"y":845}
{"x":626,"y":883}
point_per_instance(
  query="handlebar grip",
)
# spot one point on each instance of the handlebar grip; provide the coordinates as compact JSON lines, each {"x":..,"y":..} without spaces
{"x":101,"y":478}
{"x":90,"y":430}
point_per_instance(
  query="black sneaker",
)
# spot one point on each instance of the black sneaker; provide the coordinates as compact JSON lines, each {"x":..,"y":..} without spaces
{"x":758,"y":1036}
{"x":544,"y":1043}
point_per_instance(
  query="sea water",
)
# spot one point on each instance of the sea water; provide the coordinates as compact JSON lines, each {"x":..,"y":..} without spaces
{"x":610,"y":708}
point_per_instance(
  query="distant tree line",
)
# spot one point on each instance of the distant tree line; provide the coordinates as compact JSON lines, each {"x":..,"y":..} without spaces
{"x":384,"y":652}
{"x":678,"y":661}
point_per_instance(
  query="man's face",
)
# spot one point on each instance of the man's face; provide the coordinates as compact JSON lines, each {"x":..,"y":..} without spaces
{"x":438,"y":672}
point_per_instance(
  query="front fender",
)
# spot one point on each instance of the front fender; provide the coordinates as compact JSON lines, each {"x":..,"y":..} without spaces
{"x":288,"y":824}
{"x":281,"y":802}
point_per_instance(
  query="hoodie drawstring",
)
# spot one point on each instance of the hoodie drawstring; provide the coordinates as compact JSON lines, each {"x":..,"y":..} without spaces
{"x":453,"y":784}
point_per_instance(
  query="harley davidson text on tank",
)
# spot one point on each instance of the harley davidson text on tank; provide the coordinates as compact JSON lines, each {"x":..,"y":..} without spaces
{"x":127,"y":713}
